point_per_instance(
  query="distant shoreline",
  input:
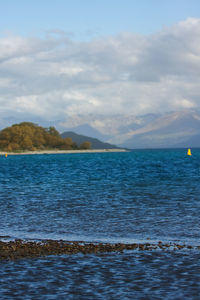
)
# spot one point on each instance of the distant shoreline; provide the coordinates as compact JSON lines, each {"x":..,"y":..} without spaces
{"x":63,"y":151}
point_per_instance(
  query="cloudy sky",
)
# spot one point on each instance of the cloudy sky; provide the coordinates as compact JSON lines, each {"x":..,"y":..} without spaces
{"x":63,"y":58}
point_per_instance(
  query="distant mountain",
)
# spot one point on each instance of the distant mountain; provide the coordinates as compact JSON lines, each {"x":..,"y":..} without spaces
{"x":193,"y":142}
{"x":111,"y":129}
{"x":88,"y":130}
{"x":95,"y":143}
{"x":166,"y":130}
{"x":177,"y":129}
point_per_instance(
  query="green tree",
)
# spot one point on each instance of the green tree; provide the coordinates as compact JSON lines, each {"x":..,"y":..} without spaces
{"x":30,"y":136}
{"x":52,"y":131}
{"x":85,"y":145}
{"x":26,"y":143}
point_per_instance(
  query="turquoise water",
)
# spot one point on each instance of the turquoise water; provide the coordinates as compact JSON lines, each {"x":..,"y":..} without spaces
{"x":140,"y":196}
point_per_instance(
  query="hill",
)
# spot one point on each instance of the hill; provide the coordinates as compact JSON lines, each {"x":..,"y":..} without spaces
{"x":29,"y":136}
{"x":79,"y":139}
{"x":88,"y":131}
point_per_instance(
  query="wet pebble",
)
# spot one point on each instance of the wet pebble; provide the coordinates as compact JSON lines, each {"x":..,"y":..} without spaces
{"x":22,"y":249}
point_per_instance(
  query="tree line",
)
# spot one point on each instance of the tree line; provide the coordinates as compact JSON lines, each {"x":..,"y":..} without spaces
{"x":28,"y":136}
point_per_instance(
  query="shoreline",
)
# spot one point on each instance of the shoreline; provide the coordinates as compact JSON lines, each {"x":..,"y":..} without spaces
{"x":63,"y":151}
{"x":19,"y":249}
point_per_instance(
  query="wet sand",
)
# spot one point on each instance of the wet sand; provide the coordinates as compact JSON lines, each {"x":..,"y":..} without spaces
{"x":19,"y":249}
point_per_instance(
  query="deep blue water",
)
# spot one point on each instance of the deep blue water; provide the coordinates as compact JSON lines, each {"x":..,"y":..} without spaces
{"x":141,"y":196}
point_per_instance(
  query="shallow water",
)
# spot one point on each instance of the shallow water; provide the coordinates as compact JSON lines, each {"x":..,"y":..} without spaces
{"x":138,"y":275}
{"x":114,"y":197}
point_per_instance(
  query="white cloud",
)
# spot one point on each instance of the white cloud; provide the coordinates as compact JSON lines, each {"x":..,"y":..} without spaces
{"x":56,"y":77}
{"x":184,"y":103}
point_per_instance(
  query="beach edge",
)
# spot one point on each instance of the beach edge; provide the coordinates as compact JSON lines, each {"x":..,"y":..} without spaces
{"x":63,"y":151}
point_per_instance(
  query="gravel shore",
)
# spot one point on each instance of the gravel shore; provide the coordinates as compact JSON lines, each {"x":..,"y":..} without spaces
{"x":25,"y":249}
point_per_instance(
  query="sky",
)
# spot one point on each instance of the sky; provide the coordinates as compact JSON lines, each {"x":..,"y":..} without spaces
{"x":66,"y":58}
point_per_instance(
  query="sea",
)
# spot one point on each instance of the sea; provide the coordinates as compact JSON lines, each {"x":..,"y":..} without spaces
{"x":124,"y":197}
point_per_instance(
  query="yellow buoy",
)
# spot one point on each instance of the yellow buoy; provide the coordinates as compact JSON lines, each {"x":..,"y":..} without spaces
{"x":189,"y":152}
{"x":6,"y":155}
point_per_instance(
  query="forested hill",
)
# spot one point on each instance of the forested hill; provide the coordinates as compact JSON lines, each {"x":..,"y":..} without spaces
{"x":95,"y":143}
{"x":28,"y":136}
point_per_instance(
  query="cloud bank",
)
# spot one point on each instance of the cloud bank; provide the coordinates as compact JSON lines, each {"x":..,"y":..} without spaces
{"x":56,"y":77}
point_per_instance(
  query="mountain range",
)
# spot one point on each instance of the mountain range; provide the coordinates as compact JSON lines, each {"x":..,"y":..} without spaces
{"x":167,"y":130}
